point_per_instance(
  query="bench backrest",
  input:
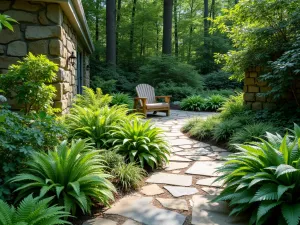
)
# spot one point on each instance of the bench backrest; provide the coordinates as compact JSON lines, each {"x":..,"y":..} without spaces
{"x":146,"y":91}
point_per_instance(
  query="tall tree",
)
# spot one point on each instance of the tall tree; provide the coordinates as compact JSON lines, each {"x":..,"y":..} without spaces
{"x":167,"y":30}
{"x":176,"y":28}
{"x":131,"y":38}
{"x":111,"y":32}
{"x":118,"y":25}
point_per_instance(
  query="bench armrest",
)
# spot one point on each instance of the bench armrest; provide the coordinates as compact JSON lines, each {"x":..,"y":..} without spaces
{"x":167,"y":98}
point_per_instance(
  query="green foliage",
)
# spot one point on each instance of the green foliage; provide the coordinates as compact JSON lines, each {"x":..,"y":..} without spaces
{"x":193,"y":103}
{"x":5,"y":21}
{"x":191,"y":123}
{"x":91,"y":99}
{"x":74,"y":175}
{"x":128,"y":176}
{"x":225,"y":129}
{"x":177,"y":91}
{"x":233,"y":106}
{"x":122,"y":99}
{"x":20,"y":136}
{"x":250,"y":132}
{"x":29,"y":81}
{"x":203,"y":129}
{"x":263,"y":179}
{"x":220,"y":79}
{"x":163,"y":69}
{"x":108,"y":86}
{"x":32,"y":211}
{"x":95,"y":124}
{"x":214,"y":102}
{"x":111,"y":159}
{"x":140,"y":143}
{"x":224,"y":92}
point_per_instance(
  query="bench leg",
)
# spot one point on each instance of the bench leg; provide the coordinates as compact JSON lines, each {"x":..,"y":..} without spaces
{"x":168,"y":112}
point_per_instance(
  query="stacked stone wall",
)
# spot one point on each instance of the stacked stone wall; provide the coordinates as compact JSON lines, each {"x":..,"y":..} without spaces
{"x":43,"y":29}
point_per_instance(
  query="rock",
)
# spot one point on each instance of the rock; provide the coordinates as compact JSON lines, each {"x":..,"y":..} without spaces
{"x":2,"y":49}
{"x":6,"y":61}
{"x":173,"y":179}
{"x":176,"y":166}
{"x":8,"y":36}
{"x":17,"y":48}
{"x":212,"y":191}
{"x":130,"y":222}
{"x":63,"y":104}
{"x":210,"y":182}
{"x":66,"y":88}
{"x":185,"y":146}
{"x":99,"y":221}
{"x":194,"y":152}
{"x":38,"y":47}
{"x":25,"y":5}
{"x":54,"y":13}
{"x":42,"y":32}
{"x":176,"y":171}
{"x":207,"y":168}
{"x":199,"y":158}
{"x":181,"y":142}
{"x":217,"y":149}
{"x":141,"y":210}
{"x":4,"y":5}
{"x":56,"y":47}
{"x":179,"y":159}
{"x":179,"y":204}
{"x":181,"y":191}
{"x":22,"y":16}
{"x":200,"y":145}
{"x":152,"y":189}
{"x":176,"y":149}
{"x":43,"y":18}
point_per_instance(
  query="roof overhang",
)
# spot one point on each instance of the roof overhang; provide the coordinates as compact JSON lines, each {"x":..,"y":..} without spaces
{"x":75,"y":13}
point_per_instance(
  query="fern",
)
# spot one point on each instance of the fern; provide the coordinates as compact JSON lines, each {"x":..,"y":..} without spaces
{"x":33,"y":211}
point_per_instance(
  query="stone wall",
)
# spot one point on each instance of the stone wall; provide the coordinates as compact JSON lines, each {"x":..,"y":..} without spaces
{"x":43,"y":29}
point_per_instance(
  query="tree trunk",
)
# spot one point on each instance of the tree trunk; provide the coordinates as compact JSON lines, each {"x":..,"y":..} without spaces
{"x":111,"y":32}
{"x":206,"y":27}
{"x":118,"y":25}
{"x":167,"y":30}
{"x":176,"y":28}
{"x":190,"y":32}
{"x":157,"y":38}
{"x":131,"y":38}
{"x":97,"y":20}
{"x":142,"y":49}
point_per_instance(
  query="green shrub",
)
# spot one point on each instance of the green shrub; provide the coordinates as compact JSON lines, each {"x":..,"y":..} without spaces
{"x":249,"y":133}
{"x":74,"y":175}
{"x":163,"y":69}
{"x":233,"y":106}
{"x":193,"y":103}
{"x":32,"y":211}
{"x":224,"y":92}
{"x":92,"y":99}
{"x":224,"y":130}
{"x":128,"y":177}
{"x":191,"y":123}
{"x":177,"y":91}
{"x":214,"y":102}
{"x":122,"y":99}
{"x":20,"y":136}
{"x":220,"y":79}
{"x":141,"y":143}
{"x":111,"y":159}
{"x":95,"y":124}
{"x":263,"y":179}
{"x":203,"y":129}
{"x":29,"y":82}
{"x":108,"y":86}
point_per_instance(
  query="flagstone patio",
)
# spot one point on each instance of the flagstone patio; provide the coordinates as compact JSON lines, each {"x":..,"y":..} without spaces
{"x":180,"y":193}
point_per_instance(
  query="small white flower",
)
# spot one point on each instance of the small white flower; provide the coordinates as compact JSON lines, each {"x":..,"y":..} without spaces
{"x":2,"y":98}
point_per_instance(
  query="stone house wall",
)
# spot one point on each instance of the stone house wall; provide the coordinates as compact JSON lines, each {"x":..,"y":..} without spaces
{"x":43,"y":29}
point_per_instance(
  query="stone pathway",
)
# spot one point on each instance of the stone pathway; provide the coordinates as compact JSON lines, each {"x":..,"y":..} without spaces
{"x":180,"y":193}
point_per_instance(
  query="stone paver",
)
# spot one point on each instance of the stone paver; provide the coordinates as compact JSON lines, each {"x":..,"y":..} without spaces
{"x":173,"y":179}
{"x":194,"y":152}
{"x":212,"y":191}
{"x":152,"y":189}
{"x":179,"y":159}
{"x":207,"y":168}
{"x":141,"y":210}
{"x":181,"y":191}
{"x":131,"y":222}
{"x":217,"y":149}
{"x":199,"y":158}
{"x":210,"y":182}
{"x":181,"y":142}
{"x":176,"y":166}
{"x":99,"y":221}
{"x":179,"y":204}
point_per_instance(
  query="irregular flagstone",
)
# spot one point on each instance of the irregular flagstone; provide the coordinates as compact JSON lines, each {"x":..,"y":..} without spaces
{"x":181,"y":191}
{"x":199,"y":158}
{"x":176,"y":149}
{"x":99,"y":221}
{"x":173,"y":134}
{"x":195,"y":152}
{"x":176,"y":171}
{"x":131,"y":222}
{"x":179,"y":159}
{"x":210,"y":182}
{"x":176,"y":166}
{"x":212,"y":191}
{"x":181,"y":142}
{"x":141,"y":210}
{"x":152,"y":189}
{"x":170,"y":203}
{"x":173,"y":179}
{"x":204,"y":212}
{"x":207,"y":168}
{"x":217,"y":149}
{"x":200,"y":145}
{"x":185,"y":146}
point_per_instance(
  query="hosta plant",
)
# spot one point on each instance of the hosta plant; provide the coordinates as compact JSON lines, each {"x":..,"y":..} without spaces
{"x":193,"y":103}
{"x":214,"y":102}
{"x":122,"y":99}
{"x":73,"y":174}
{"x":32,"y":211}
{"x":263,"y":179}
{"x":140,"y":142}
